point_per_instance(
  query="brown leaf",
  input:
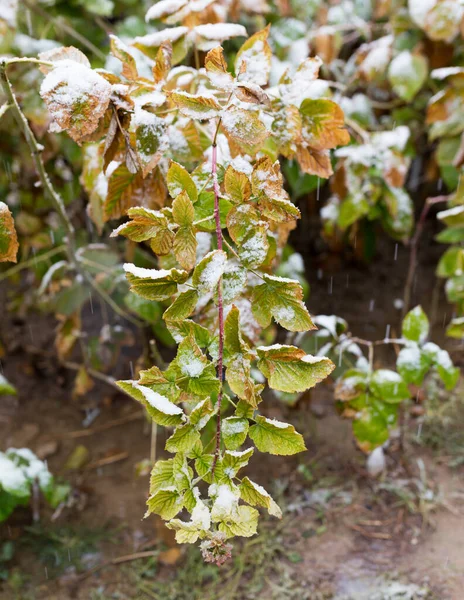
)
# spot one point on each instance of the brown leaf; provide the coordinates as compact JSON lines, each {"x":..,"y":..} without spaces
{"x":77,"y":98}
{"x":8,"y":238}
{"x":163,"y":61}
{"x":68,"y":333}
{"x":314,"y":162}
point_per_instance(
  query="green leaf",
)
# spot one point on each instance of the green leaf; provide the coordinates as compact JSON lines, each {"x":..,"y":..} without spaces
{"x":372,"y":423}
{"x":165,"y":503}
{"x":254,"y":494}
{"x":452,"y":217}
{"x":147,"y":310}
{"x":456,"y":328}
{"x":238,"y":365}
{"x":407,"y":73}
{"x":354,"y":207}
{"x":441,"y":359}
{"x":451,"y":263}
{"x":182,"y":307}
{"x":208,"y":271}
{"x":412,"y":364}
{"x":276,"y":437}
{"x":6,"y":388}
{"x":151,"y":140}
{"x":185,"y":241}
{"x":237,"y":186}
{"x":234,"y":432}
{"x":147,"y":224}
{"x":244,"y":524}
{"x":183,"y":439}
{"x":233,"y":461}
{"x":154,"y":284}
{"x":416,"y":325}
{"x":162,"y":476}
{"x":196,"y":106}
{"x":289,"y":369}
{"x":389,"y":386}
{"x":179,"y":180}
{"x":202,"y":413}
{"x":161,"y":410}
{"x":282,"y":299}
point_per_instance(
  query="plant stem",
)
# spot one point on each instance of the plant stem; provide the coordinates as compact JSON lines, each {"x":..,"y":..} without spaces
{"x":217,"y":217}
{"x":64,"y":27}
{"x":414,"y":245}
{"x":36,"y":151}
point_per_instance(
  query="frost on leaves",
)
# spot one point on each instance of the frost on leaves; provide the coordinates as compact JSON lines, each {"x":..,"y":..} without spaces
{"x":191,"y":159}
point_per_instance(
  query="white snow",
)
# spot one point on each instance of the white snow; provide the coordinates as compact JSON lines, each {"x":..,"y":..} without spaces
{"x":376,"y":463}
{"x":277,"y":424}
{"x":213,"y":271}
{"x":70,"y":83}
{"x":220,"y":31}
{"x":146,"y":273}
{"x":233,"y":427}
{"x":225,"y":502}
{"x":419,"y":9}
{"x":402,"y":66}
{"x":254,"y":250}
{"x":164,"y":8}
{"x":12,"y":477}
{"x":255,"y":64}
{"x":155,"y":39}
{"x":158,"y":401}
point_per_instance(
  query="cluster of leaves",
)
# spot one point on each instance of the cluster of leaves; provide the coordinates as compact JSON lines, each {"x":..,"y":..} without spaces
{"x":371,"y":397}
{"x":222,"y":294}
{"x":451,"y":264}
{"x":192,"y":156}
{"x":20,"y":471}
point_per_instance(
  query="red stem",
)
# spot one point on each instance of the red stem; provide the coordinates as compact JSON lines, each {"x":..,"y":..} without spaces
{"x":220,"y":307}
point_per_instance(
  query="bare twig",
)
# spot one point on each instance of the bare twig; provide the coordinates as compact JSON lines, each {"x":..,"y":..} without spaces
{"x":414,"y":246}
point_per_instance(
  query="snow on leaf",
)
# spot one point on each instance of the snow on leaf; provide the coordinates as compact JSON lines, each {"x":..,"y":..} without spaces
{"x":256,"y":495}
{"x":209,"y":270}
{"x":147,"y":224}
{"x":289,"y":369}
{"x":179,"y":179}
{"x":77,"y":98}
{"x":151,"y":139}
{"x":407,"y":74}
{"x":253,"y":60}
{"x":276,"y":437}
{"x":282,"y":299}
{"x":244,"y":128}
{"x":154,"y":284}
{"x":416,"y":325}
{"x":196,"y":106}
{"x":185,"y":241}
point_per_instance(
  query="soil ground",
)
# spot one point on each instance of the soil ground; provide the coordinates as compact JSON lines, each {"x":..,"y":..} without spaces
{"x":344,"y":535}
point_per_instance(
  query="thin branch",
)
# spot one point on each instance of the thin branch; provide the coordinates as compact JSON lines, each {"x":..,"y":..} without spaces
{"x":36,"y":151}
{"x":414,"y":246}
{"x":61,"y":25}
{"x":31,"y":262}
